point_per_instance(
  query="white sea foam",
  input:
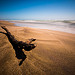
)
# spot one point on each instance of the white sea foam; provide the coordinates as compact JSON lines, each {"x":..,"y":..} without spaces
{"x":64,"y":26}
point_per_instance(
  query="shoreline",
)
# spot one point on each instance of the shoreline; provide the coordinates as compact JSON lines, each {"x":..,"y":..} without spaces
{"x":56,"y":26}
{"x":54,"y":54}
{"x":13,"y":24}
{"x":7,"y":23}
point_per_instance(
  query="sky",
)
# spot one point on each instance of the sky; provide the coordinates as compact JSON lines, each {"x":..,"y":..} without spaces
{"x":37,"y":9}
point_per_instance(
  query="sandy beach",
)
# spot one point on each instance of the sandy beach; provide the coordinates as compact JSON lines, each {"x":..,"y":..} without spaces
{"x":54,"y":54}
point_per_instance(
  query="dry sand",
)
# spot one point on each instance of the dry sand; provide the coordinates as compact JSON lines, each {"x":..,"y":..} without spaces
{"x":54,"y":54}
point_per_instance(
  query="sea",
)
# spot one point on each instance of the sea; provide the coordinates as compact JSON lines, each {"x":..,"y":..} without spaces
{"x":63,"y":26}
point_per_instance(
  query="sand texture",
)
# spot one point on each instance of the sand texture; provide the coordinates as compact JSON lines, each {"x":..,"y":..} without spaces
{"x":54,"y":54}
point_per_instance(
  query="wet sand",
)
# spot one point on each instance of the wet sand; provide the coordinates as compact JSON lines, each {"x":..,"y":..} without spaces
{"x":54,"y":54}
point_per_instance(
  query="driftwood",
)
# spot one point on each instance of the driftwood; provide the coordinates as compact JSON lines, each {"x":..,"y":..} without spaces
{"x":19,"y":45}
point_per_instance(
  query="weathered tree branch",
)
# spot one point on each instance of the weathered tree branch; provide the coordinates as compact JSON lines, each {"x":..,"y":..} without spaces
{"x":19,"y":45}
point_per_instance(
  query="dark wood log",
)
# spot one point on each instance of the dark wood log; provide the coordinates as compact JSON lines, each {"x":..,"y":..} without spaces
{"x":19,"y":45}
